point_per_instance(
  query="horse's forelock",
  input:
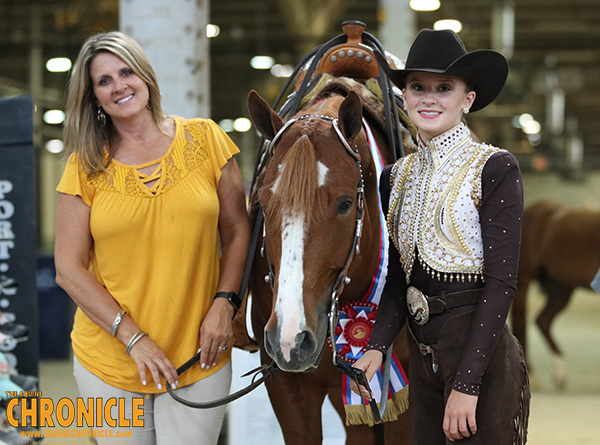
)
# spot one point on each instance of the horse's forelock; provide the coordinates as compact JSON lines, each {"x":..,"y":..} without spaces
{"x":297,"y":187}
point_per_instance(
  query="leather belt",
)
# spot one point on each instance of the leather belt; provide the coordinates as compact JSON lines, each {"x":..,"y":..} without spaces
{"x":421,"y":307}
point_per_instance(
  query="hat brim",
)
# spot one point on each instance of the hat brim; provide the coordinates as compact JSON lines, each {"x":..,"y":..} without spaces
{"x":485,"y":70}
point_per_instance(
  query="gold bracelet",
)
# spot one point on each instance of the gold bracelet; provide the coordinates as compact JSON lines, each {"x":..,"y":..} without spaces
{"x":118,"y":319}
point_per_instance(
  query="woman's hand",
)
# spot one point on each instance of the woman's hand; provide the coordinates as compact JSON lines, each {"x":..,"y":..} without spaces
{"x":459,"y":416}
{"x":147,"y":355}
{"x":216,"y":332}
{"x":370,"y":362}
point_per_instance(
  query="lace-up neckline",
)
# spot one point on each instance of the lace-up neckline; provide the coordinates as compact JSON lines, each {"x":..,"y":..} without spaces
{"x":150,"y":175}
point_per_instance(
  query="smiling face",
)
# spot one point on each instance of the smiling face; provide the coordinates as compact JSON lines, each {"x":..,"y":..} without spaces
{"x":119,"y":91}
{"x":435,"y":102}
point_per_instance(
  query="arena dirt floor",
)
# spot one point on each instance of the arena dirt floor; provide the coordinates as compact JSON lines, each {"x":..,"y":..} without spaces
{"x":570,"y":416}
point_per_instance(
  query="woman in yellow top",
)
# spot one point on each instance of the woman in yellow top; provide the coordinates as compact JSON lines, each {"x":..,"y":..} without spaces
{"x":151,"y":231}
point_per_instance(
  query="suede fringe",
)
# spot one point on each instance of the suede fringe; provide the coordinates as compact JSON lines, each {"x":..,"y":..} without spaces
{"x":522,"y":419}
{"x":362,"y":415}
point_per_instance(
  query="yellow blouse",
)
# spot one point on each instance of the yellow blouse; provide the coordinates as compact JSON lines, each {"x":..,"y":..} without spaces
{"x":155,"y":249}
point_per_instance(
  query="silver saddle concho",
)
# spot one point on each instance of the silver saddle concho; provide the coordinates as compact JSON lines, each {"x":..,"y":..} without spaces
{"x":417,"y":305}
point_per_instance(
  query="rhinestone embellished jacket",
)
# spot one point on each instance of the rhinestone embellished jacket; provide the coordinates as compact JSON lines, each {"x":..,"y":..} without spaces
{"x":454,"y":213}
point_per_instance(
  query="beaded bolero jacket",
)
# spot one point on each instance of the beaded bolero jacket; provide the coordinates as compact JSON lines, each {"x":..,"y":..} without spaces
{"x":434,"y":202}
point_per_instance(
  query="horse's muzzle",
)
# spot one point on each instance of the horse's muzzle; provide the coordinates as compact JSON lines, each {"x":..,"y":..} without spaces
{"x":301,"y":356}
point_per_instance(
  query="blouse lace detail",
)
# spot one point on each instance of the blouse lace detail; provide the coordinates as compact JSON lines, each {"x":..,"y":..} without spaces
{"x":184,"y":156}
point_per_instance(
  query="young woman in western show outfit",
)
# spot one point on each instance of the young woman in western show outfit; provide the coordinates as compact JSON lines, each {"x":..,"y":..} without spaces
{"x":454,"y":214}
{"x":151,"y":232}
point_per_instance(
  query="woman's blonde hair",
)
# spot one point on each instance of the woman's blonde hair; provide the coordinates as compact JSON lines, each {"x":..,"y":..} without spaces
{"x":94,"y":143}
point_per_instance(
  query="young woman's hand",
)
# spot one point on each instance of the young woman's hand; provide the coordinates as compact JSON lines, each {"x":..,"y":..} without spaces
{"x":370,"y":362}
{"x":459,"y":415}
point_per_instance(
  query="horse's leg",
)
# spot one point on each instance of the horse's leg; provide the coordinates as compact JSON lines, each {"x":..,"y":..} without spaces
{"x":558,"y":298}
{"x":397,"y":432}
{"x":355,"y":434}
{"x":297,"y":402}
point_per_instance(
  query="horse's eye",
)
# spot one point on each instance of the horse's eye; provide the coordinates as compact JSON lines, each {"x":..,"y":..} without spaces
{"x":343,"y":206}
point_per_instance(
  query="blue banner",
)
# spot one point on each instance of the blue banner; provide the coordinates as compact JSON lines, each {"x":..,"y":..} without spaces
{"x":18,"y":290}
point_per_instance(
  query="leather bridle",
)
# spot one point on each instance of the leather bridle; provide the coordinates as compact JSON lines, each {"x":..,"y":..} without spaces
{"x":342,"y":279}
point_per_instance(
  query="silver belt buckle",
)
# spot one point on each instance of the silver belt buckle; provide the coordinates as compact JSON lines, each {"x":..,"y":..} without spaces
{"x":417,"y":305}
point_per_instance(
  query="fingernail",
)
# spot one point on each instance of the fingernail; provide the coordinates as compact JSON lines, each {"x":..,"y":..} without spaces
{"x":173,"y":385}
{"x":214,"y":364}
{"x":176,"y":382}
{"x":159,"y":386}
{"x":144,"y":382}
{"x":203,"y":366}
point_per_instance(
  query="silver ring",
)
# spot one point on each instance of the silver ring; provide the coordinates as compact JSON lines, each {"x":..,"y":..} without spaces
{"x":222,"y":348}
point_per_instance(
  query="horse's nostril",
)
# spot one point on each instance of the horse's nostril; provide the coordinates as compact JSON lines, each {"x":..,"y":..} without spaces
{"x":306,"y":343}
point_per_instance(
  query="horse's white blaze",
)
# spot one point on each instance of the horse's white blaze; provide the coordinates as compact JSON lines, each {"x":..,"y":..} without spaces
{"x":276,"y":183}
{"x":289,"y":306}
{"x":323,"y":170}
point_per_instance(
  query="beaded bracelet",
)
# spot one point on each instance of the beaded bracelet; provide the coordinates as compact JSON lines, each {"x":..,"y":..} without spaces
{"x":136,"y":337}
{"x":118,"y":319}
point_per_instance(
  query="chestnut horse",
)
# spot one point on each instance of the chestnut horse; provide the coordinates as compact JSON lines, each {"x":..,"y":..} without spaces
{"x":560,"y":248}
{"x":308,"y":193}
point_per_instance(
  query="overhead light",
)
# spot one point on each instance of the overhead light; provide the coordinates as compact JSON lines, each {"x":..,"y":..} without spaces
{"x":534,"y":139}
{"x":242,"y":124}
{"x":212,"y":31}
{"x":532,"y":127}
{"x":451,"y":24}
{"x":55,"y":146}
{"x":54,"y":116}
{"x":524,"y":119}
{"x":425,"y":5}
{"x":226,"y":125}
{"x":58,"y":64}
{"x":262,"y":62}
{"x":278,"y":70}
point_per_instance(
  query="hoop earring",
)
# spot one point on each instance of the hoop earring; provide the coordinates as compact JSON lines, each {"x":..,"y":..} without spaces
{"x":101,"y":116}
{"x":465,"y":110}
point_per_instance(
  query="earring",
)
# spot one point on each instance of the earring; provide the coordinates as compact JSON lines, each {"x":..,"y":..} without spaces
{"x":101,"y":117}
{"x":465,"y":110}
{"x":149,"y":105}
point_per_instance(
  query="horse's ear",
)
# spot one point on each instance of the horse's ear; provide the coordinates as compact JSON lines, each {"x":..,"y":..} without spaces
{"x":266,"y":121}
{"x":350,"y":115}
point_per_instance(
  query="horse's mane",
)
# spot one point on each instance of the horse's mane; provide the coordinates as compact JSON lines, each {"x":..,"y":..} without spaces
{"x":297,"y":187}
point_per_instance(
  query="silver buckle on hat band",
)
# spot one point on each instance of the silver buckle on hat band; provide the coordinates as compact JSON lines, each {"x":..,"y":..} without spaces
{"x":417,"y":305}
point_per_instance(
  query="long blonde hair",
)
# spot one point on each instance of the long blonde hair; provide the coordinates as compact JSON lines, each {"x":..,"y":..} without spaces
{"x":82,"y":133}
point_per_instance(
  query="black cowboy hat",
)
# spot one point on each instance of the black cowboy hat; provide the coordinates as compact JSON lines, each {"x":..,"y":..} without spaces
{"x":443,"y":52}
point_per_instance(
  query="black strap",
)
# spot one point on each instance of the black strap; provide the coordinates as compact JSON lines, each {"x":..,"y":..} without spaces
{"x":268,"y":372}
{"x":444,"y":302}
{"x":251,"y":249}
{"x":359,"y":377}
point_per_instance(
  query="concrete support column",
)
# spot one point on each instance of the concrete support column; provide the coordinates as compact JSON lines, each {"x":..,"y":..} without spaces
{"x":173,"y":34}
{"x":397,"y":29}
{"x":503,"y":27}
